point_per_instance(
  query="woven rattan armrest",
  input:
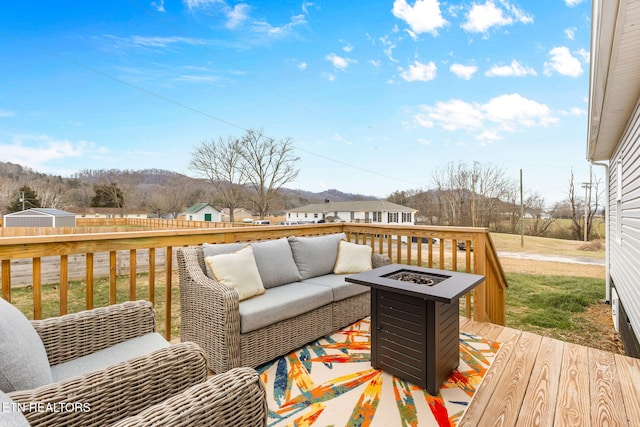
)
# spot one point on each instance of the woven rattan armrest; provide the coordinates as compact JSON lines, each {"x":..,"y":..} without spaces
{"x":104,"y":397}
{"x":234,"y":398}
{"x":379,"y":260}
{"x":75,"y":335}
{"x":209,"y":311}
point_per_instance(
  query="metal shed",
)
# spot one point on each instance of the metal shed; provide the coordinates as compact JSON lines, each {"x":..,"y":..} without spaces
{"x":40,"y":217}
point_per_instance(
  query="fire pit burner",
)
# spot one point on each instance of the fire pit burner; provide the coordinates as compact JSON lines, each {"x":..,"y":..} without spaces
{"x":418,"y":278}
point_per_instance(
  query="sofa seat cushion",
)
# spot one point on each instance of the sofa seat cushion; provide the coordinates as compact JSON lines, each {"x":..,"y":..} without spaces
{"x":315,"y":256}
{"x":281,"y":303}
{"x":23,"y":359}
{"x":102,"y":359}
{"x":340,"y":288}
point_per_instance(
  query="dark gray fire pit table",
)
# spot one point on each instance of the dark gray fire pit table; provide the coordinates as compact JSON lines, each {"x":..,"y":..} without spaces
{"x":415,"y":324}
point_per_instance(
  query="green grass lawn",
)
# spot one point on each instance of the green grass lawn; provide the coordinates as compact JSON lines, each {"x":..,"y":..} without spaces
{"x":554,"y":305}
{"x":22,"y":297}
{"x":547,"y":305}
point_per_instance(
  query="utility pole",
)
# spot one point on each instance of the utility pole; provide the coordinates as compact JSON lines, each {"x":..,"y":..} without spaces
{"x":22,"y":199}
{"x":521,"y":213}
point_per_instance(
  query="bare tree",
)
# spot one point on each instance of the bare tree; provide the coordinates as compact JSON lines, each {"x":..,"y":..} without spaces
{"x":224,"y":165}
{"x":541,"y":219}
{"x":584,"y":209}
{"x":269,"y":165}
{"x":470,"y":196}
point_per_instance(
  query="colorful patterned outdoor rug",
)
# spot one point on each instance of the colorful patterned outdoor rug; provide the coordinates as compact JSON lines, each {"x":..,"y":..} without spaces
{"x":330,"y":382}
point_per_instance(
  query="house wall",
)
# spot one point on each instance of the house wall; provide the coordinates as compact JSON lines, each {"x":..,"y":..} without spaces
{"x":28,"y":221}
{"x":624,"y":232}
{"x":64,"y":221}
{"x":348,"y":216}
{"x":200,"y":215}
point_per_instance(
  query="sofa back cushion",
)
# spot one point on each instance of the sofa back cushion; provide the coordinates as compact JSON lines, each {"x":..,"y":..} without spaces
{"x":23,"y":359}
{"x":315,"y":256}
{"x":275,"y":262}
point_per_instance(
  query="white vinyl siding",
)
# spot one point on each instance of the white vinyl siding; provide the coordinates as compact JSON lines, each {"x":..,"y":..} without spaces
{"x":624,"y":201}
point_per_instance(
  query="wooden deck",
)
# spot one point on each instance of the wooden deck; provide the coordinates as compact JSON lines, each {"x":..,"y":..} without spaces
{"x":540,"y":381}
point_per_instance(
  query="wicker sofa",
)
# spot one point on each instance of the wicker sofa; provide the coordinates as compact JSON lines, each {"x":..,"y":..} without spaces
{"x":102,"y":366}
{"x":303,"y":299}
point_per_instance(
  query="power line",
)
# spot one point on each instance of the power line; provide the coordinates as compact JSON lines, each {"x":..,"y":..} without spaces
{"x":200,"y":112}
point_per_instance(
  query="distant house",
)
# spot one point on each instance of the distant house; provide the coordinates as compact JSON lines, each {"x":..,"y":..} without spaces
{"x":40,"y":217}
{"x":614,"y":142}
{"x":202,"y":212}
{"x":109,"y":212}
{"x":367,"y":211}
{"x":239,"y":214}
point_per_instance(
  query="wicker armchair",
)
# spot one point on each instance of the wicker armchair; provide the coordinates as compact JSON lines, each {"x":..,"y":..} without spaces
{"x":124,"y":389}
{"x":234,"y":398}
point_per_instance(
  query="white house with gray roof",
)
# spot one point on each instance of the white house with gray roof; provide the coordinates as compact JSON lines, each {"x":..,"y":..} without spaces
{"x":365,"y":211}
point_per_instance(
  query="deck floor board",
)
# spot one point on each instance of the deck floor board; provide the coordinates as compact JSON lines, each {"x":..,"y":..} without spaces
{"x":541,"y":381}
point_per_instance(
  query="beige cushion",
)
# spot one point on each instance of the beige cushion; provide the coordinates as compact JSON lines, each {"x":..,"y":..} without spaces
{"x":352,"y":258}
{"x":239,"y":270}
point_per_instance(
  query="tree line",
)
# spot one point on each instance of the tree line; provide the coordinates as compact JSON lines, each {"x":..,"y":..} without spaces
{"x":251,"y":171}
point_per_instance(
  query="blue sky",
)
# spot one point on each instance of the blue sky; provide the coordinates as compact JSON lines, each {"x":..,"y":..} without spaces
{"x":376,"y":95}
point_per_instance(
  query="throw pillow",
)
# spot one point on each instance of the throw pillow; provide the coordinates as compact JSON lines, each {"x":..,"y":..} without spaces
{"x":23,"y":359}
{"x":353,"y":258}
{"x":315,"y":256}
{"x":275,"y":262}
{"x":239,"y":270}
{"x":211,"y":249}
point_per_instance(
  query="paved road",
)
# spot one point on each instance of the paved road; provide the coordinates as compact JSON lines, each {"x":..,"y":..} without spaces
{"x":553,"y":258}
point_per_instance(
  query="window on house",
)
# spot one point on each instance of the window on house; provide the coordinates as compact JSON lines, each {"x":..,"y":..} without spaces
{"x":392,"y":217}
{"x":315,"y":215}
{"x":406,"y":216}
{"x":353,"y":216}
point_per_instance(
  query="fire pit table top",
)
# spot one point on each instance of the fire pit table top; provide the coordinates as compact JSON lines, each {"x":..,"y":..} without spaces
{"x":427,"y":283}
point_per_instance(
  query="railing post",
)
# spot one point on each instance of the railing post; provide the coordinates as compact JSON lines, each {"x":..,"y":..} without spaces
{"x":6,"y":279}
{"x":480,"y":267}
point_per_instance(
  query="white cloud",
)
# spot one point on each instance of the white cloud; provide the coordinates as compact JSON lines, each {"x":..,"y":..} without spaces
{"x":463,"y":71}
{"x":570,"y":33}
{"x":572,"y":3}
{"x":159,"y":5}
{"x":302,"y":65}
{"x":339,"y":62}
{"x":482,"y":17}
{"x":237,"y":16}
{"x":563,"y":62}
{"x":504,"y":113}
{"x":513,"y":111}
{"x":37,"y":151}
{"x":420,"y":72}
{"x":347,"y":48}
{"x":515,"y":69}
{"x":329,"y":76}
{"x":6,"y":113}
{"x":388,"y":48}
{"x":376,"y":63}
{"x":423,"y":17}
{"x":574,"y":111}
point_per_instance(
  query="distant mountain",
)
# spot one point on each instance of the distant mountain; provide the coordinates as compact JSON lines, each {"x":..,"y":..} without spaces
{"x":146,"y":187}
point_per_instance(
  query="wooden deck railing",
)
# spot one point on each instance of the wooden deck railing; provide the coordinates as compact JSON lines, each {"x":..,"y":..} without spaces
{"x":404,"y":244}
